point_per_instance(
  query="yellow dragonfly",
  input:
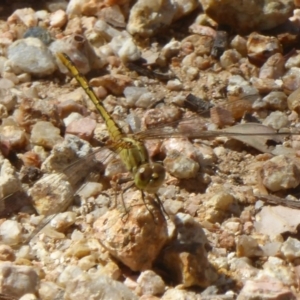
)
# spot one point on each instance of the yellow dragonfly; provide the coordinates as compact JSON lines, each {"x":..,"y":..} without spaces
{"x":148,"y":176}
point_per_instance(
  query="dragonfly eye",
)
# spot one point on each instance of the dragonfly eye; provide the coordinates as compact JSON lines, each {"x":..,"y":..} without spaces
{"x":149,"y":177}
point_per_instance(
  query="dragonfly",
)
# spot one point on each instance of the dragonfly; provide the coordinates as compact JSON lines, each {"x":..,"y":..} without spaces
{"x":148,"y":176}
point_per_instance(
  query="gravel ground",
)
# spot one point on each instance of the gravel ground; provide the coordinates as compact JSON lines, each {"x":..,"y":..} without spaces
{"x":212,"y":91}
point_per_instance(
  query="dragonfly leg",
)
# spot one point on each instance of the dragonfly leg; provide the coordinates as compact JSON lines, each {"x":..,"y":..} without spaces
{"x":161,"y":206}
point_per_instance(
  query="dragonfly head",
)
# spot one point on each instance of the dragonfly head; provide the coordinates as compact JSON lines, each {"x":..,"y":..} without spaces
{"x":149,"y":177}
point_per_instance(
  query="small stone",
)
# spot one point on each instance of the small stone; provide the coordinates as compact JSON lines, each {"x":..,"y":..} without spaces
{"x":83,"y":128}
{"x":265,"y":288}
{"x":229,"y":57}
{"x":149,"y":230}
{"x":261,"y":47}
{"x":9,"y":183}
{"x":291,"y":248}
{"x":276,"y":120}
{"x":293,"y":100}
{"x":273,"y":68}
{"x":247,"y":246}
{"x":45,"y":134}
{"x":28,"y":297}
{"x":96,"y":286}
{"x":174,"y":85}
{"x":63,"y":220}
{"x":39,"y":33}
{"x":291,"y":80}
{"x":186,"y":257}
{"x":105,"y":30}
{"x":58,"y":18}
{"x":115,"y":84}
{"x":6,"y":253}
{"x":240,"y":44}
{"x":274,"y":100}
{"x":125,"y":48}
{"x":280,"y":173}
{"x":8,"y":99}
{"x":25,"y":15}
{"x":276,"y":220}
{"x":146,"y":18}
{"x":19,"y":280}
{"x":72,"y":117}
{"x":221,"y":201}
{"x":90,"y":189}
{"x":181,"y":166}
{"x":233,"y":13}
{"x":149,"y":283}
{"x":6,"y":83}
{"x":31,"y":56}
{"x":51,"y":194}
{"x":138,"y":97}
{"x":14,"y":135}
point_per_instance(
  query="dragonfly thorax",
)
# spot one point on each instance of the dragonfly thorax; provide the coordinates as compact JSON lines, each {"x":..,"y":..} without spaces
{"x":149,"y":177}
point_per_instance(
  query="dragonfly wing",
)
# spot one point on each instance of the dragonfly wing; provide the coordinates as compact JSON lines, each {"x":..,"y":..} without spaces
{"x":258,"y":136}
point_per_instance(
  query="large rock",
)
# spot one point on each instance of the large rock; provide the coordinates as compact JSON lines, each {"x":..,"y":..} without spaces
{"x":246,"y":16}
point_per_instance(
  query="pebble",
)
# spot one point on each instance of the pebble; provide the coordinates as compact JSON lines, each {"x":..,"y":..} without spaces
{"x":105,"y":30}
{"x":150,"y":234}
{"x":19,"y":280}
{"x":113,"y":15}
{"x":265,"y":288}
{"x":230,"y":57}
{"x":185,"y":258}
{"x":25,"y":15}
{"x":239,"y":43}
{"x":115,"y":84}
{"x":95,"y":286}
{"x":291,"y":80}
{"x":280,"y":173}
{"x":181,"y":166}
{"x":273,"y":68}
{"x":31,"y":56}
{"x":58,"y":18}
{"x":247,"y":246}
{"x":138,"y":97}
{"x":275,"y":100}
{"x":39,"y":33}
{"x":216,"y":207}
{"x":45,"y":134}
{"x":63,"y":220}
{"x":8,"y":99}
{"x":50,"y":290}
{"x":293,"y":61}
{"x":291,"y":248}
{"x":273,"y":221}
{"x":9,"y":182}
{"x":7,"y":253}
{"x":83,"y":128}
{"x":6,"y":83}
{"x":261,"y":47}
{"x":278,"y":269}
{"x":293,"y":101}
{"x":14,"y":135}
{"x":125,"y":48}
{"x":234,"y":14}
{"x":51,"y":194}
{"x":28,"y":297}
{"x":174,"y":85}
{"x":147,"y":18}
{"x":73,"y":116}
{"x":149,"y":283}
{"x":10,"y":232}
{"x":276,"y":120}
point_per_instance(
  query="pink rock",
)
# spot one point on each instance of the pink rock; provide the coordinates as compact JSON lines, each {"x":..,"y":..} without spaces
{"x":83,"y":128}
{"x":265,"y":288}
